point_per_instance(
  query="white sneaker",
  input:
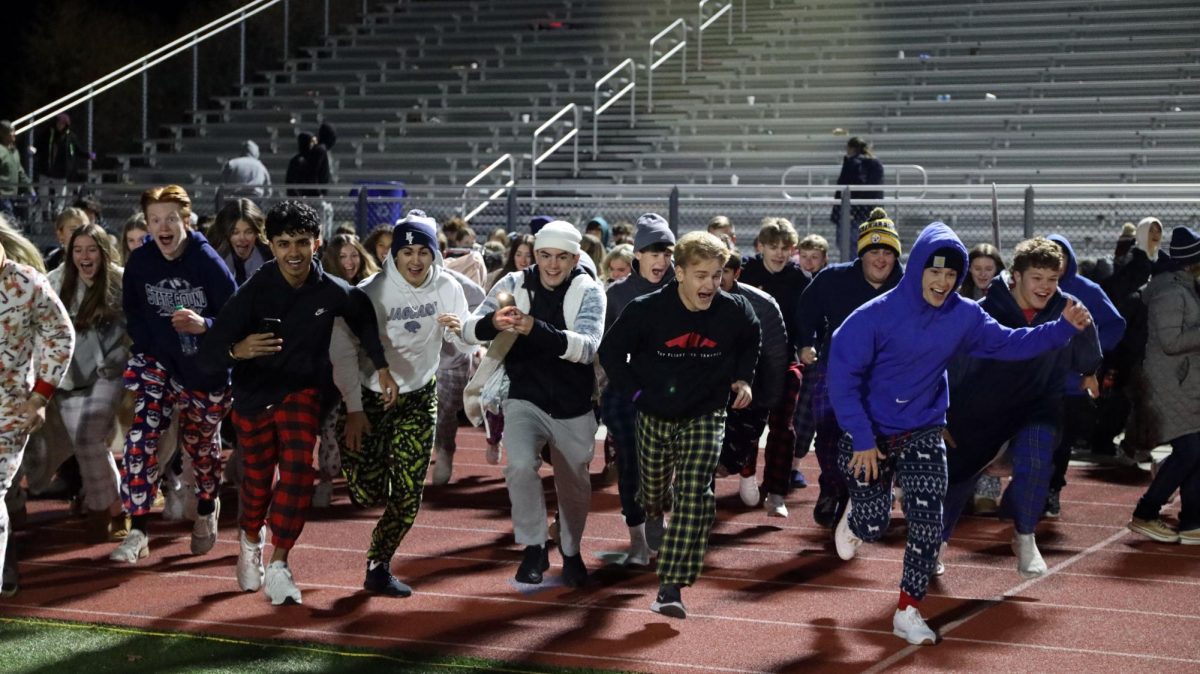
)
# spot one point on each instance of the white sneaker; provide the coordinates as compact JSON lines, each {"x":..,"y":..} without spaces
{"x":775,"y":506}
{"x":1029,"y":559}
{"x":748,"y":490}
{"x":843,"y":538}
{"x":279,"y":586}
{"x":204,"y":531}
{"x":639,"y":549}
{"x":910,"y":626}
{"x":493,"y":454}
{"x":940,"y":569}
{"x":249,"y":564}
{"x":443,"y":466}
{"x":135,"y":546}
{"x":323,"y":494}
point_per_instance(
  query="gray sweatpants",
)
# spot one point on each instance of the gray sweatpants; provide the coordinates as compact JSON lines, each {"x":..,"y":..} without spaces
{"x":572,"y":444}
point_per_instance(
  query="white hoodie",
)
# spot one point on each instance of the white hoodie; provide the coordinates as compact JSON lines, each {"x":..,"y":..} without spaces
{"x":408,"y":329}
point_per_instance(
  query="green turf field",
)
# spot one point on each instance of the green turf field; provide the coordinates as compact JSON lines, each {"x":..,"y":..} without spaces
{"x":29,"y":646}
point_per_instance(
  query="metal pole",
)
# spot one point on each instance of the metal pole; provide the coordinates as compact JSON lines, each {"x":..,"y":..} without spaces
{"x":364,"y":12}
{"x":286,"y":7}
{"x":145,"y":104}
{"x":743,"y":16}
{"x":90,"y":131}
{"x":30,"y":151}
{"x":673,"y":210}
{"x":1029,"y":212}
{"x":362,"y":211}
{"x":195,"y":75}
{"x":510,"y":209}
{"x":242,"y":51}
{"x":327,"y":17}
{"x":844,"y":242}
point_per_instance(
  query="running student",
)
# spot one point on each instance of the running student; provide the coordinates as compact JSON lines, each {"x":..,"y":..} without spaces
{"x":887,"y":383}
{"x":172,"y":292}
{"x":386,"y":452}
{"x":275,"y":333}
{"x":681,"y":353}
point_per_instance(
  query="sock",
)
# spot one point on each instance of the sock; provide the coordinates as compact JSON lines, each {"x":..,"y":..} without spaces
{"x":205,"y":507}
{"x":140,"y":522}
{"x":906,"y":600}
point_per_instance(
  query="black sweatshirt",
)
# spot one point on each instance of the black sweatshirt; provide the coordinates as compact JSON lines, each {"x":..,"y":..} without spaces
{"x":680,"y":363}
{"x":307,"y":313}
{"x":536,"y":373}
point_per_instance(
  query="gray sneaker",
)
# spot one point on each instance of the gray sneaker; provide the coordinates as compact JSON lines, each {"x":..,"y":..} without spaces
{"x":280,"y":586}
{"x":204,"y":531}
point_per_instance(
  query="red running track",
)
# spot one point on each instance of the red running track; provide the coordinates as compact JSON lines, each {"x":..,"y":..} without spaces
{"x":773,"y":598}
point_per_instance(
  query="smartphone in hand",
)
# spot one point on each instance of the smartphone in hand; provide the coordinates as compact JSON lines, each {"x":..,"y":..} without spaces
{"x":272,"y":326}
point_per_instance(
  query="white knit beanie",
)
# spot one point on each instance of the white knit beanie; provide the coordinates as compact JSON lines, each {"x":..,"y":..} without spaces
{"x":560,"y":235}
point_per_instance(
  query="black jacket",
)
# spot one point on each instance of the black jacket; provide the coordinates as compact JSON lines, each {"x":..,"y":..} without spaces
{"x":307,"y":313}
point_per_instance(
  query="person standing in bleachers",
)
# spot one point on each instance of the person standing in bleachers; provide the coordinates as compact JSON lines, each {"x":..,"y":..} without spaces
{"x":833,"y":294}
{"x":13,"y":180}
{"x":859,"y":167}
{"x":246,"y":175}
{"x":774,"y":272}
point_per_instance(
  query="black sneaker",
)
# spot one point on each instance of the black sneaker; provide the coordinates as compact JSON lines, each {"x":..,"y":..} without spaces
{"x":798,"y":481}
{"x":536,"y":561}
{"x":825,"y":513}
{"x":669,"y":602}
{"x":12,"y":580}
{"x":574,"y":573}
{"x":381,"y":581}
{"x":1053,"y":507}
{"x":656,"y":530}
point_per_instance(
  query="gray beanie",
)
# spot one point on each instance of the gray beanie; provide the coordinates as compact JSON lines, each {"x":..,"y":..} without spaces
{"x":652,"y":229}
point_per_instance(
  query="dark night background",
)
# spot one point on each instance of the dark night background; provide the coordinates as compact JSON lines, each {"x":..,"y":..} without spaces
{"x":53,"y":47}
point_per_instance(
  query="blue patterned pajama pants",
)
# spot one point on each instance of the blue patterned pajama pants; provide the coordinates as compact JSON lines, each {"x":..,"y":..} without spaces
{"x":1032,"y":451}
{"x":916,"y":461}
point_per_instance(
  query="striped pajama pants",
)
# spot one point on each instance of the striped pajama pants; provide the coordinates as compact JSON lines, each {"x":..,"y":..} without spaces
{"x":450,"y":384}
{"x":689,"y":450}
{"x":389,"y":466}
{"x":916,"y":461}
{"x":90,"y":417}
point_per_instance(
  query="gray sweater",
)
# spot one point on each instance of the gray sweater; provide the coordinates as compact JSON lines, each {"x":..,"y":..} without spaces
{"x":1172,"y":365}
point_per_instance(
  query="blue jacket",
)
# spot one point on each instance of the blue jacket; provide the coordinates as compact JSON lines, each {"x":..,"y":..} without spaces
{"x":1104,"y":314}
{"x":991,"y":400}
{"x":887,"y":362}
{"x":153,"y":286}
{"x":833,"y":293}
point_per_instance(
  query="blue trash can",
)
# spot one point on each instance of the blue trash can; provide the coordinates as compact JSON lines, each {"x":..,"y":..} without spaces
{"x":384,"y":205}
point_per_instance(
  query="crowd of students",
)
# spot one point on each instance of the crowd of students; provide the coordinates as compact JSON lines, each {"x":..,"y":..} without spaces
{"x":354,"y":359}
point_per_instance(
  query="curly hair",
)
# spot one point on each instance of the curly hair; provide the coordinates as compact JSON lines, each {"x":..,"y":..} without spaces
{"x":292,"y":217}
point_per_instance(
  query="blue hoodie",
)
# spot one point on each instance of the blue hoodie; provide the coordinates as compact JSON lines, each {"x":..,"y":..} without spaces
{"x":887,"y":362}
{"x":1104,"y":314}
{"x":153,"y":286}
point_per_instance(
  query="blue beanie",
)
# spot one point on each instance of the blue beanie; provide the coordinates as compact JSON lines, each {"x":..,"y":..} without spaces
{"x":415,"y":229}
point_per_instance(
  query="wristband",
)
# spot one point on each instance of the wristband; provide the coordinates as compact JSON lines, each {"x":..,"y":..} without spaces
{"x":231,"y":354}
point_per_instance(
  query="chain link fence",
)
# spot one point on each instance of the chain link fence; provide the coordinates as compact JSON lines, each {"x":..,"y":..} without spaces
{"x":1089,"y":215}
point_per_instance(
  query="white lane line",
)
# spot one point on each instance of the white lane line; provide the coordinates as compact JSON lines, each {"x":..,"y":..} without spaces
{"x":950,"y":627}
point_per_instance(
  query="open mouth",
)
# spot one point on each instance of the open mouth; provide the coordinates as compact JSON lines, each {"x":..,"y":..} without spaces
{"x":165,"y":240}
{"x":704,"y":297}
{"x":87,"y":268}
{"x":242,"y":250}
{"x":295,"y":264}
{"x":415,"y":272}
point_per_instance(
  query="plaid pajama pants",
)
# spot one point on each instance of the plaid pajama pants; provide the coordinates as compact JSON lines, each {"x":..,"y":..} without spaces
{"x":917,"y":462}
{"x":389,"y":467}
{"x":802,"y":420}
{"x":1032,"y":451}
{"x":781,"y":436}
{"x":620,"y":417}
{"x":157,"y":397}
{"x":90,"y":417}
{"x":282,"y":437}
{"x":451,"y":382}
{"x":828,"y":434}
{"x":688,"y":449}
{"x":739,"y":449}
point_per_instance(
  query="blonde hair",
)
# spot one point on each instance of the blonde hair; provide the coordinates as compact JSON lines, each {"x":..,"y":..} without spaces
{"x":169,"y":194}
{"x":622,"y":252}
{"x":814,"y":242}
{"x":14,"y":245}
{"x":70,"y":213}
{"x":696,"y":246}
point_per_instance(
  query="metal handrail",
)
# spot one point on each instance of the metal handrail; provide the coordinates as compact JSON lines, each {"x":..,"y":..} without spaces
{"x":538,"y":159}
{"x":598,"y":109}
{"x":512,"y":180}
{"x":897,"y":169}
{"x":702,"y":25}
{"x":653,"y":65}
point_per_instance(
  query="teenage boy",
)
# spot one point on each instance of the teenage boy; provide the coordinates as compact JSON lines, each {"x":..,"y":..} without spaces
{"x":386,"y":454}
{"x":1019,"y":402}
{"x":678,"y":353}
{"x":888,"y":387}
{"x":744,"y":427}
{"x":275,"y":333}
{"x":653,"y":245}
{"x":172,"y":292}
{"x":774,"y":272}
{"x":558,"y":319}
{"x":835,"y":292}
{"x":812,"y":254}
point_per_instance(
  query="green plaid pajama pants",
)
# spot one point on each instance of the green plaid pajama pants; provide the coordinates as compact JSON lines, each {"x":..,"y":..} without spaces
{"x":687,"y":449}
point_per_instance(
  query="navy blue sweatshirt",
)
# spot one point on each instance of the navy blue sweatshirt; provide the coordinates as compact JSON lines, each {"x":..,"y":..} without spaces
{"x":991,"y":400}
{"x":307,"y":314}
{"x":834,"y":294}
{"x":153,"y":286}
{"x":681,"y":363}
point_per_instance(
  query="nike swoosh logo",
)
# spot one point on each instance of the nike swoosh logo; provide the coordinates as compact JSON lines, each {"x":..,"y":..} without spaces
{"x":902,"y":402}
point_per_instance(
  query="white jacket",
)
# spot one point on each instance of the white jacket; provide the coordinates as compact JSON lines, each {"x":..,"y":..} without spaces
{"x":408,"y":329}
